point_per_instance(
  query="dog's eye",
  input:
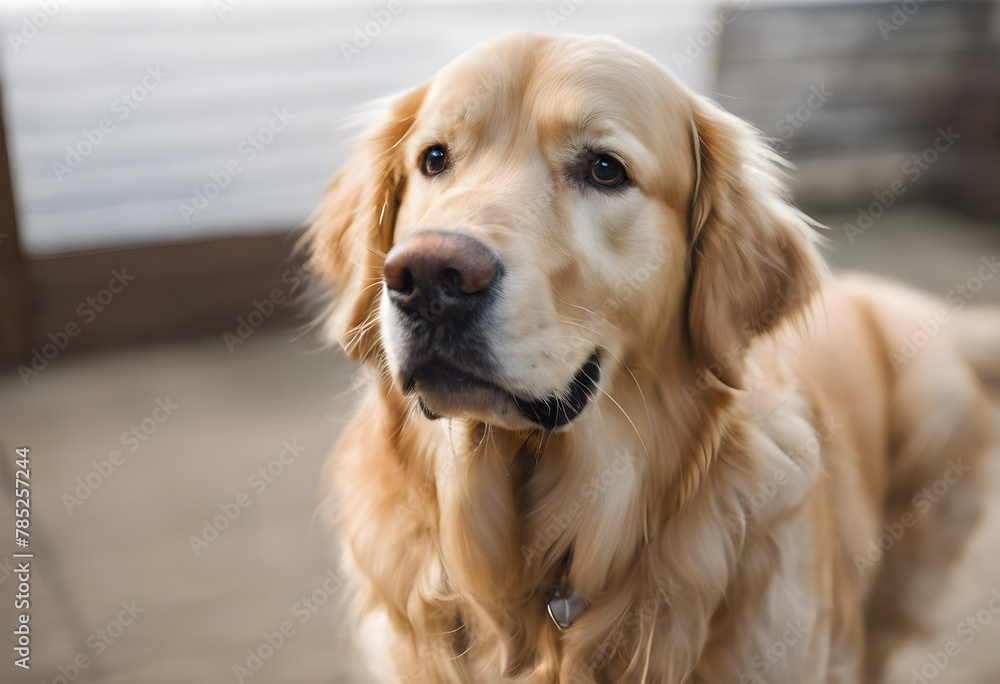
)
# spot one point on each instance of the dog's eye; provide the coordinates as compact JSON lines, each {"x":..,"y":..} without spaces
{"x":607,"y":172}
{"x":434,"y":160}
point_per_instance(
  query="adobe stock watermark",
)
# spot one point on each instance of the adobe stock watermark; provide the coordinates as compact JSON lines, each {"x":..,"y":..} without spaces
{"x":301,"y":612}
{"x":225,"y":7}
{"x":98,"y":642}
{"x":913,"y":168}
{"x":121,"y":107}
{"x":761,"y":663}
{"x":87,"y":310}
{"x":791,"y":122}
{"x":248,"y":150}
{"x":33,"y":24}
{"x":968,"y":630}
{"x":257,"y":483}
{"x":901,"y":13}
{"x":622,"y":292}
{"x":626,"y":288}
{"x":365,"y":33}
{"x":478,"y":96}
{"x":710,"y":31}
{"x":726,"y":359}
{"x":293,"y":277}
{"x":563,"y":11}
{"x":6,"y":569}
{"x":637,"y":616}
{"x":921,"y":503}
{"x":592,"y":490}
{"x":929,"y":327}
{"x":769,"y":487}
{"x":416,"y":674}
{"x":131,"y":440}
{"x":417,"y":500}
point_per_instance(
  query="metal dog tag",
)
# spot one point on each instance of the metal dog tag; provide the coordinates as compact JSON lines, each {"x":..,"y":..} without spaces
{"x":565,"y":609}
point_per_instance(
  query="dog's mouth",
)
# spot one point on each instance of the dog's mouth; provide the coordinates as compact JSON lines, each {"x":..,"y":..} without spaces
{"x":559,"y":409}
{"x":441,"y":386}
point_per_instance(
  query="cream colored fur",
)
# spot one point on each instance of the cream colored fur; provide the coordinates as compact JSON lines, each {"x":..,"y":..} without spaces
{"x":749,"y":435}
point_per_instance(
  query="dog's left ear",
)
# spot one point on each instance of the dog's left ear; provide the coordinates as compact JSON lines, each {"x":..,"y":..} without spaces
{"x":753,"y":258}
{"x":353,"y":227}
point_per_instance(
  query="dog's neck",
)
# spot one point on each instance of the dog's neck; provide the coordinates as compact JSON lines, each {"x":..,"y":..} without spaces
{"x":521,"y":513}
{"x":599,"y":508}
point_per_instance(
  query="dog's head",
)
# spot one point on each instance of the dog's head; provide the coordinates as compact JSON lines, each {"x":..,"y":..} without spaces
{"x":543,"y":211}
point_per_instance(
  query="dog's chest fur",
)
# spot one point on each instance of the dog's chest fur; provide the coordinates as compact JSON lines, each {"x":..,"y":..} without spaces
{"x":484,"y":524}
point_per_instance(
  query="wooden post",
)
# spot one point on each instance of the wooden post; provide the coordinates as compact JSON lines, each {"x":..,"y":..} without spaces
{"x":14,"y":309}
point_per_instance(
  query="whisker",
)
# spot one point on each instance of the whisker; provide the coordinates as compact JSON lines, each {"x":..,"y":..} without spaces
{"x":627,"y":417}
{"x":645,"y":406}
{"x":361,"y":330}
{"x":581,"y":325}
{"x":486,"y":432}
{"x":582,"y":308}
{"x":467,"y":649}
{"x":598,"y":317}
{"x":624,"y":412}
{"x":375,"y":267}
{"x":381,"y":361}
{"x":496,"y":452}
{"x":450,"y":631}
{"x":375,"y":282}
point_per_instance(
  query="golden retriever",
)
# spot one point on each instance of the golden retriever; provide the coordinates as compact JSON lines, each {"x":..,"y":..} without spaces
{"x":620,"y":424}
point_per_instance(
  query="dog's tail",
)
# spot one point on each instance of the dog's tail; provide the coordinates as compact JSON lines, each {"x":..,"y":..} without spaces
{"x":977,"y":333}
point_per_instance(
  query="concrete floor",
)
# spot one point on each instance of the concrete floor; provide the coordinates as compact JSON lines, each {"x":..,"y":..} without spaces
{"x":130,"y":539}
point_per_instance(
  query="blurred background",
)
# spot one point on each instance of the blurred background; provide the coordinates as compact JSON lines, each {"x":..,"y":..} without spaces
{"x":157,"y":161}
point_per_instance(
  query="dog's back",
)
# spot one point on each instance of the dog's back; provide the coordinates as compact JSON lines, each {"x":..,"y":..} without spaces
{"x":898,"y":372}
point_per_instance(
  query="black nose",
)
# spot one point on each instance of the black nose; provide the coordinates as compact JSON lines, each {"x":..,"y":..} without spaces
{"x":440,"y":273}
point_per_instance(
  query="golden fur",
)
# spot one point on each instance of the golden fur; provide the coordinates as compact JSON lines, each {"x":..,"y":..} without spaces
{"x":749,"y":437}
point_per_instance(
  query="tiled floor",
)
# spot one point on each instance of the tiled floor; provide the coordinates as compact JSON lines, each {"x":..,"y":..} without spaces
{"x":130,"y":539}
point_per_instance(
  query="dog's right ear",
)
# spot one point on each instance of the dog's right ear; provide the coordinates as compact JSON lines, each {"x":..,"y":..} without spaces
{"x":754,"y":261}
{"x":353,"y":227}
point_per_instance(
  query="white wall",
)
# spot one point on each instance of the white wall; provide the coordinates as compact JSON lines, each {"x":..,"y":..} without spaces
{"x":225,"y":76}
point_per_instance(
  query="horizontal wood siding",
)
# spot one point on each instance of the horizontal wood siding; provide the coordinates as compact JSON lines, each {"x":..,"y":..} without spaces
{"x":891,"y":88}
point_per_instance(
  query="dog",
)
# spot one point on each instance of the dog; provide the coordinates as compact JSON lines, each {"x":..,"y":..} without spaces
{"x":620,"y":422}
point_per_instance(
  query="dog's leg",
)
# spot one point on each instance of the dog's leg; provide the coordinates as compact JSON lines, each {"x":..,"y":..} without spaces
{"x":939,"y":431}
